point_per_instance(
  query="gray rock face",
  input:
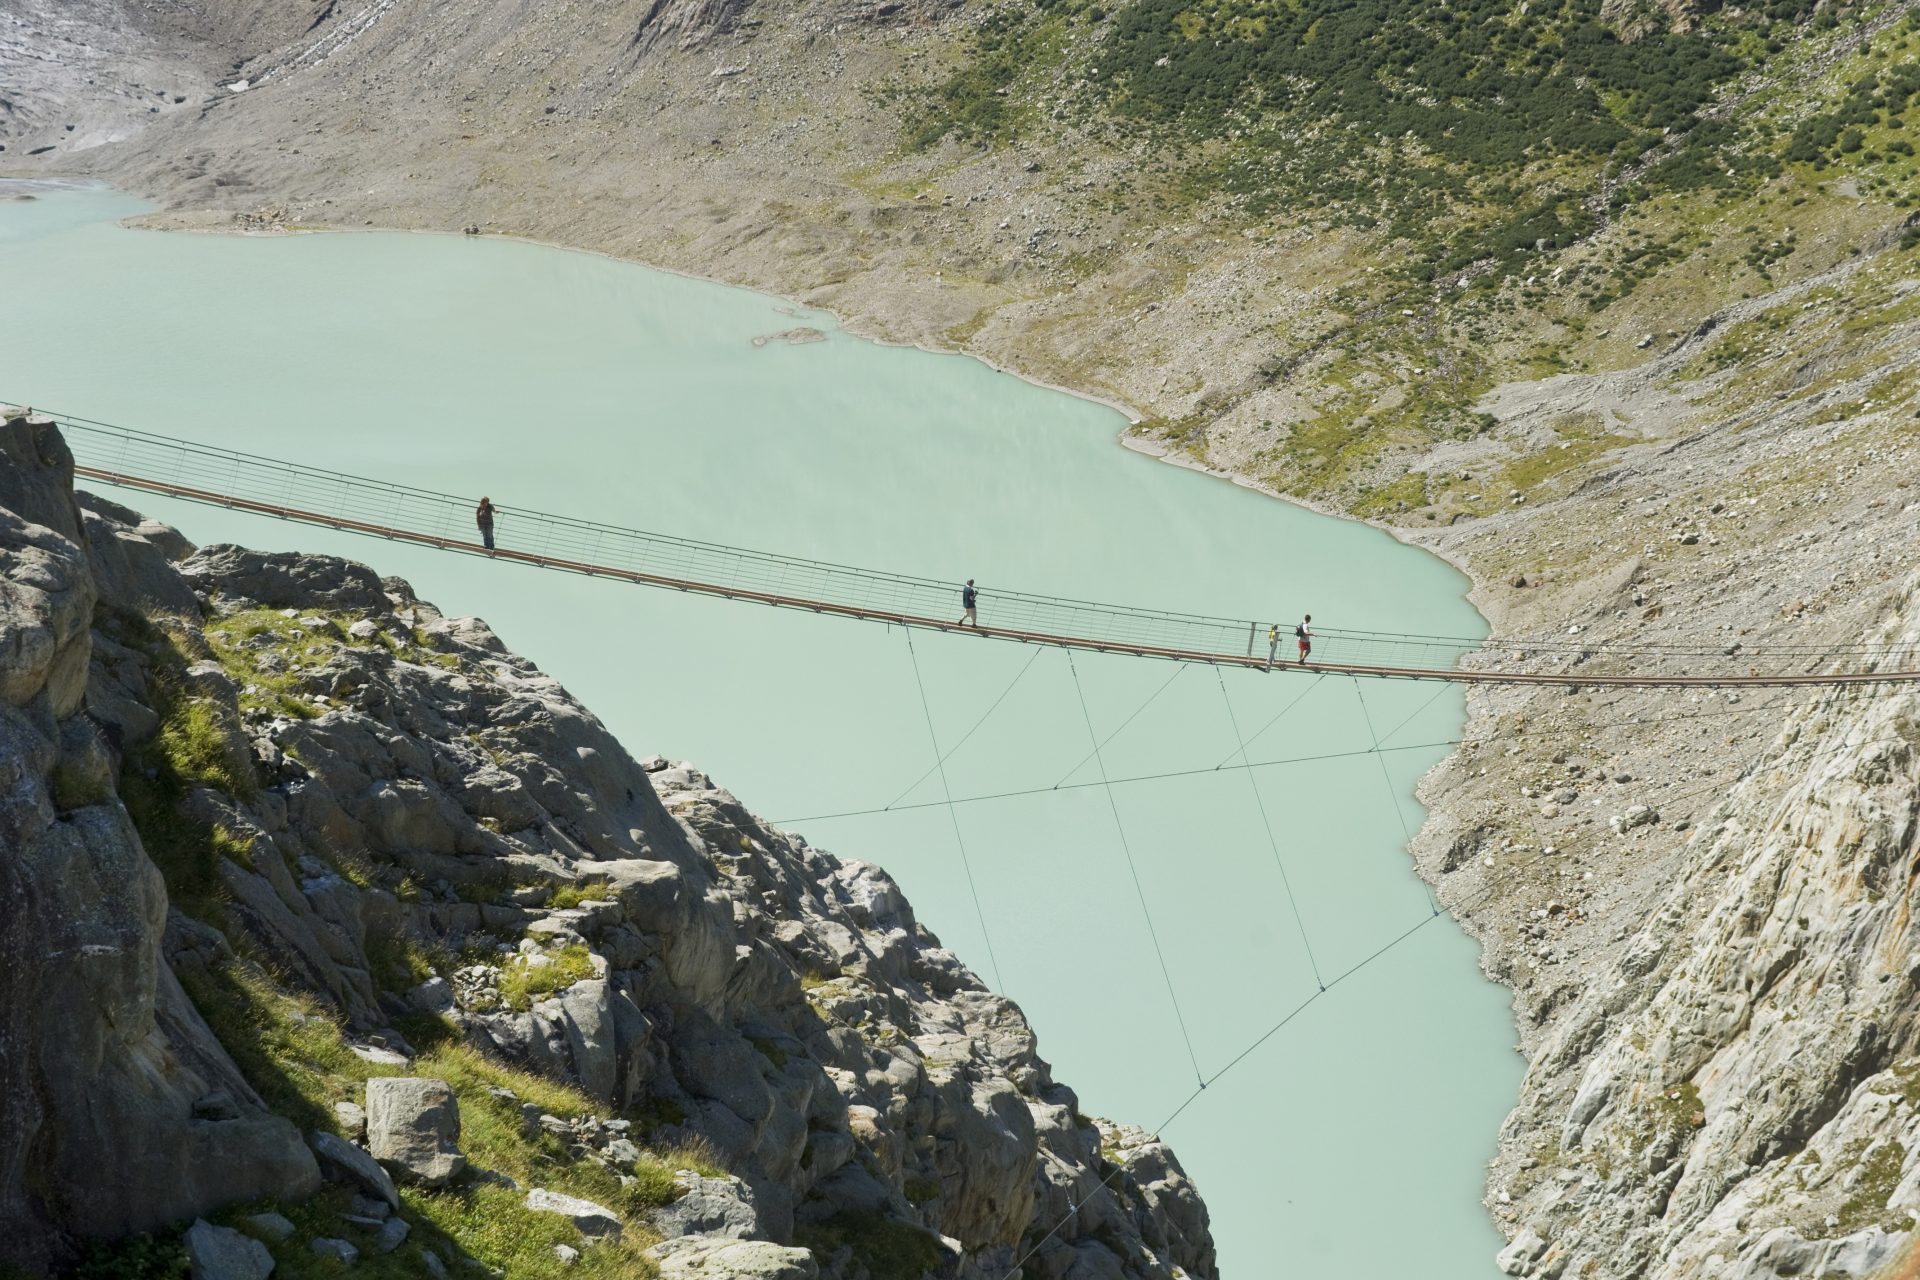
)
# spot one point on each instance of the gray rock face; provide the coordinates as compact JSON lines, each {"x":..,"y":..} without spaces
{"x":286,"y":579}
{"x":221,"y":1253}
{"x":413,"y":1128}
{"x":709,"y":1207}
{"x":102,"y":1057}
{"x":1736,"y":1095}
{"x":344,"y":1162}
{"x":333,"y":1247}
{"x":271,"y":1226}
{"x":723,"y":1258}
{"x":393,"y":1233}
{"x":591,"y":1219}
{"x":353,"y":1120}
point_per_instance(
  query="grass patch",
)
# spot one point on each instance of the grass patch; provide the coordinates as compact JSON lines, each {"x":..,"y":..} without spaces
{"x":1410,"y":490}
{"x":889,"y":1250}
{"x":241,"y":642}
{"x":159,"y":1256}
{"x":523,"y":981}
{"x":192,"y":749}
{"x":1866,"y":1205}
{"x":294,"y":1053}
{"x":398,"y":965}
{"x":572,"y":895}
{"x":288,"y":1046}
{"x":487,"y":891}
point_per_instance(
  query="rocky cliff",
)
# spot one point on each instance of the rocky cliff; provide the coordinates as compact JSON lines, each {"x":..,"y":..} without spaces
{"x":1743,"y":1074}
{"x":277,"y":831}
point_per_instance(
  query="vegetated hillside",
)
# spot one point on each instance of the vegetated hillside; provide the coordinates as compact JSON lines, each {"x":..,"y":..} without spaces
{"x":1303,"y":238}
{"x":1515,"y":191}
{"x":303,"y":880}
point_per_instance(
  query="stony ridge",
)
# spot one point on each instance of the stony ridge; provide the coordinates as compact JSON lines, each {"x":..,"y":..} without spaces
{"x":388,"y":814}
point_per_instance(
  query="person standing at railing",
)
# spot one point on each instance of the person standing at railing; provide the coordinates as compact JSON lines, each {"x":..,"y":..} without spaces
{"x":483,"y":517}
{"x":1305,"y":634}
{"x":968,"y":599}
{"x":1273,"y":644}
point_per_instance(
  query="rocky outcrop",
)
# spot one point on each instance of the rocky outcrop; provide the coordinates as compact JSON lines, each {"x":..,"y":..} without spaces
{"x":1745,"y":1090}
{"x":340,"y":775}
{"x":119,"y":1110}
{"x":413,"y":1128}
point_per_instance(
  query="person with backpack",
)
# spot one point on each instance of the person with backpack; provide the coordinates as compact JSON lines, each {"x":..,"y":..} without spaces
{"x":483,"y":517}
{"x":968,"y":599}
{"x":1304,"y":632}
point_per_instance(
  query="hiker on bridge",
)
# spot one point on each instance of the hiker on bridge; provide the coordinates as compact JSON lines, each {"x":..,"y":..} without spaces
{"x":968,"y":599}
{"x":1273,"y":644}
{"x":483,"y":517}
{"x":1304,"y":632}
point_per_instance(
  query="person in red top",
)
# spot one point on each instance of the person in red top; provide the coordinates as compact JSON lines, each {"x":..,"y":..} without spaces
{"x":483,"y":517}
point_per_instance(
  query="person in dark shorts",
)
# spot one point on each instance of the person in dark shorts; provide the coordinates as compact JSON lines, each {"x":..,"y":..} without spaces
{"x":483,"y":517}
{"x":1304,"y":632}
{"x":968,"y":599}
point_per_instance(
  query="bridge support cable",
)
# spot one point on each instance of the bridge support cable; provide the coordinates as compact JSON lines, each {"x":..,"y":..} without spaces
{"x":1393,"y":797}
{"x":1166,"y":774}
{"x":1487,"y":891}
{"x":952,"y":750}
{"x":1318,"y":676}
{"x":1490,"y":887}
{"x":953,"y":816}
{"x":1139,"y":890}
{"x":1259,"y":801}
{"x":1106,"y":741}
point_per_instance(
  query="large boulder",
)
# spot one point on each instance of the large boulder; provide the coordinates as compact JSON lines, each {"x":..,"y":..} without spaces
{"x":413,"y":1128}
{"x":286,"y":579}
{"x":722,"y":1258}
{"x":709,"y":1207}
{"x":346,"y":1163}
{"x":221,"y":1253}
{"x":591,"y":1219}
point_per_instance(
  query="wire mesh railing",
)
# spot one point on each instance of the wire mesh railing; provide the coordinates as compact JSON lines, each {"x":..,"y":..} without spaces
{"x":270,"y":486}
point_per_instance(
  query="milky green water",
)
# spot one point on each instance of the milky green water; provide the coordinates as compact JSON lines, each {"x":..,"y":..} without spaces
{"x":1352,"y":1141}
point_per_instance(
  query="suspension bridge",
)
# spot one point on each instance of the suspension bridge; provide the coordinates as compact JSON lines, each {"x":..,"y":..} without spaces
{"x":146,"y":462}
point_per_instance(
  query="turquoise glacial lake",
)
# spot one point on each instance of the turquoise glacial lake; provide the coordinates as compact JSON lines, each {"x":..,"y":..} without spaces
{"x":1351,"y":1142}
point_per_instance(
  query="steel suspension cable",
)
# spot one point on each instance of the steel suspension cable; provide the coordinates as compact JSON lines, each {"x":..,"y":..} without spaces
{"x":1393,"y":797}
{"x":1134,"y":871}
{"x":1849,"y":691}
{"x":953,"y":815}
{"x":951,"y":751}
{"x":1279,"y":863}
{"x":1279,"y":715}
{"x":266,"y":486}
{"x":1106,"y":741}
{"x":1489,"y":888}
